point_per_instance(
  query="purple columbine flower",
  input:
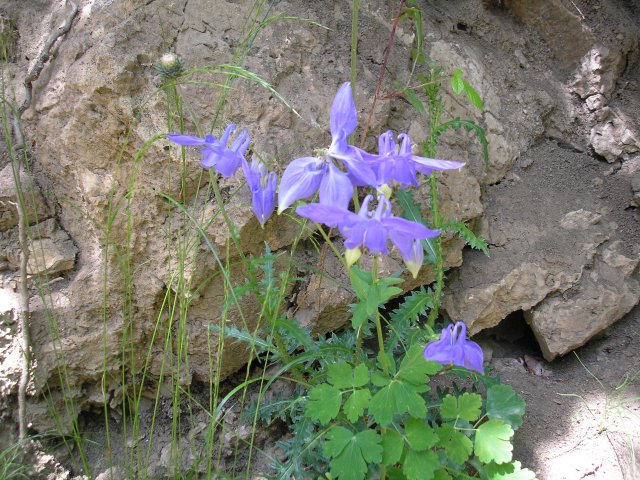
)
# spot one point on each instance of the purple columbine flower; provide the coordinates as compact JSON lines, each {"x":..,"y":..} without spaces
{"x":395,"y":163}
{"x":454,"y":348}
{"x":371,"y":229}
{"x":304,"y":176}
{"x":225,"y":159}
{"x":263,"y":189}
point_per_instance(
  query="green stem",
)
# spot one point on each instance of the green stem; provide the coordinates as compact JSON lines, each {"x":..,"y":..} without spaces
{"x":374,"y":275}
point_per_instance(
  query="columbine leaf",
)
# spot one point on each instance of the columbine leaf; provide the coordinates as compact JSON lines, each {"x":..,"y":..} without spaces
{"x":518,"y":473}
{"x":395,"y":399}
{"x":415,"y":369}
{"x":504,"y":403}
{"x":344,"y":375}
{"x":392,"y":446}
{"x":493,"y":442}
{"x":355,"y":405}
{"x":420,"y":465}
{"x":420,"y":435}
{"x":457,"y":445}
{"x":466,"y":407}
{"x":324,"y":403}
{"x":351,"y":452}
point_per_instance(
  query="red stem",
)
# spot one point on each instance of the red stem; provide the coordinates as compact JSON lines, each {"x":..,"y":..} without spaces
{"x":382,"y":72}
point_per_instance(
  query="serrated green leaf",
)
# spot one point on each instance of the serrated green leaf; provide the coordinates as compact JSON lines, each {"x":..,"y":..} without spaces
{"x":457,"y":445}
{"x":471,"y":238}
{"x":395,"y":399}
{"x":420,"y":465}
{"x":518,"y":473}
{"x":470,"y":126}
{"x":473,"y":96}
{"x":392,"y":446}
{"x":466,"y":407}
{"x":457,"y":83}
{"x":324,"y":403}
{"x":350,"y":452}
{"x":493,"y":442}
{"x":414,"y":305}
{"x":356,"y":404}
{"x":503,"y":402}
{"x":343,"y":375}
{"x":419,"y":435}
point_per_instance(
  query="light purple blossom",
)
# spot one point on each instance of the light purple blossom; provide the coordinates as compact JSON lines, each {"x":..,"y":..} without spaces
{"x":217,"y":153}
{"x":454,"y":348}
{"x":263,"y":189}
{"x":371,"y":229}
{"x":304,"y":176}
{"x":395,"y":163}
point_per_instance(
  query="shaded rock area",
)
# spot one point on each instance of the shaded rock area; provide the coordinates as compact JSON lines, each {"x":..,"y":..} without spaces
{"x":558,"y":200}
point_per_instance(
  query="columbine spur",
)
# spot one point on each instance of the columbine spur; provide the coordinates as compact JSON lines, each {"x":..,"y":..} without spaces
{"x":454,"y":348}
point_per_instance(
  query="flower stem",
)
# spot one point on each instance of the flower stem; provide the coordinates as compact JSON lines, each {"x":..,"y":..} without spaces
{"x":374,"y":276}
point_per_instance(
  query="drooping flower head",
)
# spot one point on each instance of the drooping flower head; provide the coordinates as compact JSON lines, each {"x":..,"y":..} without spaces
{"x":454,"y":349}
{"x":263,"y":189}
{"x":217,"y":153}
{"x":372,"y":228}
{"x":304,"y":176}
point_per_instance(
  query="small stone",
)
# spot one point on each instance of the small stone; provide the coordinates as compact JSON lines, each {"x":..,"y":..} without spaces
{"x":595,"y":102}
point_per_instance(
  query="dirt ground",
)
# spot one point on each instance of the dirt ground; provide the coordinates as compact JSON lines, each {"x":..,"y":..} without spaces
{"x":583,"y":410}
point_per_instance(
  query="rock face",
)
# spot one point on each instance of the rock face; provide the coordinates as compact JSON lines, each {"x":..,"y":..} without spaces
{"x":562,"y":237}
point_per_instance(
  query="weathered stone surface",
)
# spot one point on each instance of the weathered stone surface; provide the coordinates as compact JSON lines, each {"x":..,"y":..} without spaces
{"x":557,"y":25}
{"x":599,"y":70}
{"x":36,"y":207}
{"x":614,"y":140}
{"x":562,"y":323}
{"x":51,"y":250}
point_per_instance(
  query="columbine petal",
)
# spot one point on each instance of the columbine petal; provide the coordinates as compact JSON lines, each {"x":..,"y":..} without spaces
{"x":330,"y":215}
{"x":300,"y":179}
{"x":441,"y":350}
{"x":335,"y":188}
{"x":186,"y":140}
{"x":403,"y":232}
{"x":471,"y":351}
{"x":263,"y":200}
{"x":454,"y":348}
{"x":343,"y":113}
{"x":360,"y":172}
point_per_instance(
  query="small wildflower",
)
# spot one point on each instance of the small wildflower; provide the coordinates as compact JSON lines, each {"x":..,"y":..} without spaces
{"x":304,"y":176}
{"x":216,"y":152}
{"x":371,"y":229}
{"x":263,"y":189}
{"x":454,"y":348}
